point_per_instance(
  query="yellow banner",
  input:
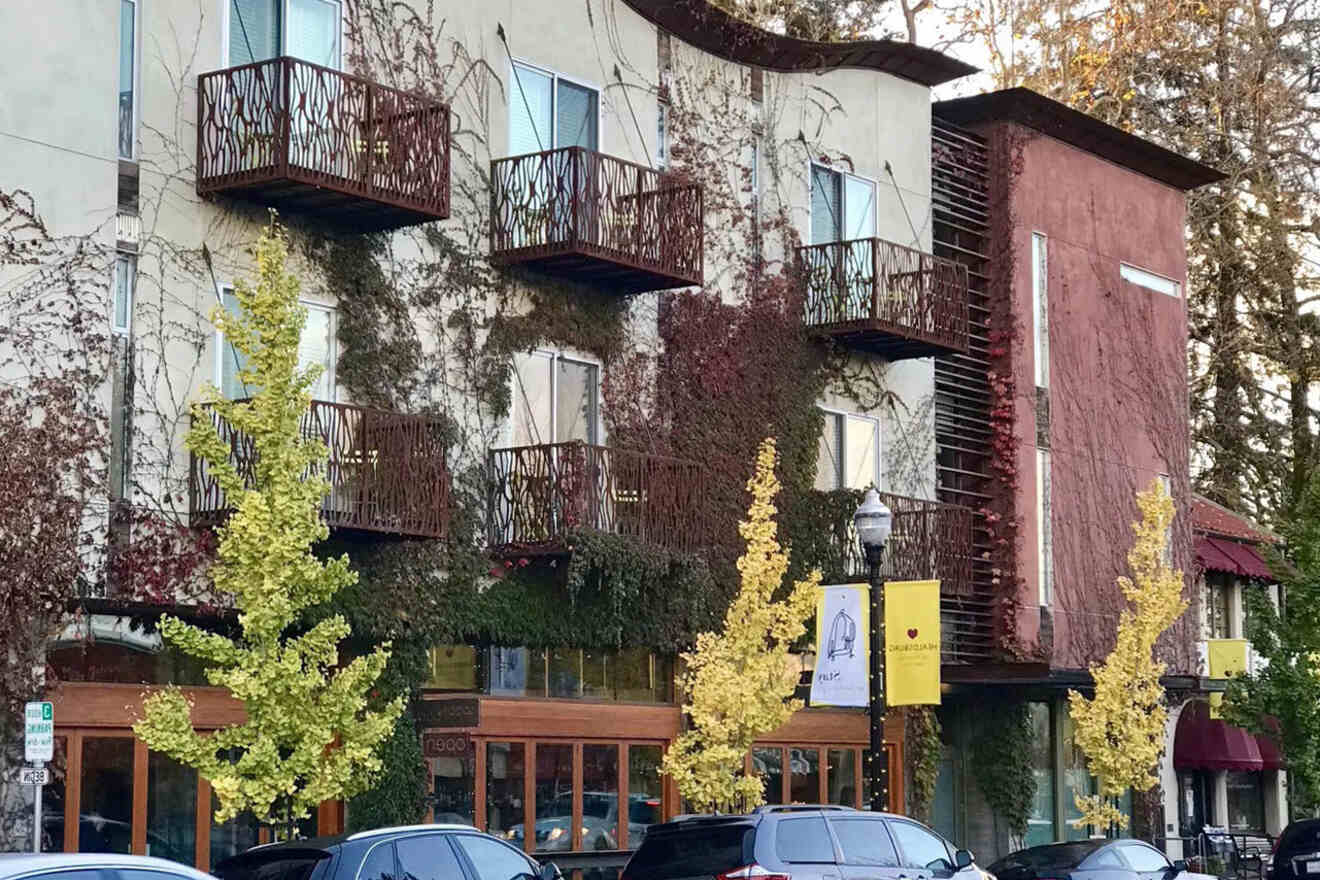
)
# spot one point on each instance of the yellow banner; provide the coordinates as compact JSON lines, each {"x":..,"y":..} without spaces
{"x":1228,"y":657}
{"x":912,"y":643}
{"x":843,"y":646}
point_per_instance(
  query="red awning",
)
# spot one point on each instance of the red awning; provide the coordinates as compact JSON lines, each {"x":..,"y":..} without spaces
{"x":1205,"y":743}
{"x":1217,"y":554}
{"x":1270,"y":757}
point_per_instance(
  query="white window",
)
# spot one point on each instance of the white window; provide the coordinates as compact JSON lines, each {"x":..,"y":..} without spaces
{"x":317,"y":346}
{"x":1150,"y":280}
{"x":1044,"y":528}
{"x":1040,"y":309}
{"x":662,"y":135}
{"x":842,"y":206}
{"x":556,"y":399}
{"x":1168,"y":532}
{"x":128,"y":31}
{"x":547,"y":111}
{"x":121,"y":318}
{"x":849,"y":453}
{"x":306,"y":29}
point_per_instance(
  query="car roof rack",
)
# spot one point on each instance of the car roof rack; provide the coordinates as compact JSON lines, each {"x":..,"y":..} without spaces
{"x":802,"y":808}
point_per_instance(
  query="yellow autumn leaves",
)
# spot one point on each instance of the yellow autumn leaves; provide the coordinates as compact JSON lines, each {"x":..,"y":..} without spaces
{"x":736,"y":684}
{"x":1121,"y":729}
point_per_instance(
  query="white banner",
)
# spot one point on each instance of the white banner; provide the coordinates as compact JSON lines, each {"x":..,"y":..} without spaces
{"x":843,"y":627}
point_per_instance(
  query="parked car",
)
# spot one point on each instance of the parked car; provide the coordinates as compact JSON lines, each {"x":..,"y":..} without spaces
{"x":92,"y":866}
{"x":803,"y":842}
{"x":1092,"y":860}
{"x":417,"y":852}
{"x":1297,"y":852}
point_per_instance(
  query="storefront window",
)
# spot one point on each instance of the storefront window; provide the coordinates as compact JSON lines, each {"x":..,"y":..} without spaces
{"x":505,"y":768}
{"x":1077,"y":781}
{"x":645,"y":805}
{"x":769,"y":765}
{"x":841,"y":777}
{"x":1246,"y":801}
{"x":631,"y":676}
{"x":453,"y":789}
{"x":171,"y":809}
{"x":454,"y":668}
{"x":554,"y":798}
{"x":234,"y":836}
{"x":105,"y":661}
{"x":804,"y":779}
{"x":1040,"y":825}
{"x":106,"y":823}
{"x":600,"y":797}
{"x":52,"y":800}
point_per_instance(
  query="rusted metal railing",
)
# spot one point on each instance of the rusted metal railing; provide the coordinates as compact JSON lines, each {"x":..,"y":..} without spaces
{"x":577,"y":201}
{"x":539,"y":494}
{"x":897,"y":290}
{"x":387,"y":471}
{"x":288,"y":120}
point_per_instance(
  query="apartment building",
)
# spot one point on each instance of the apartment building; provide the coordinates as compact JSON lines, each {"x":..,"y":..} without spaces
{"x":442,"y":168}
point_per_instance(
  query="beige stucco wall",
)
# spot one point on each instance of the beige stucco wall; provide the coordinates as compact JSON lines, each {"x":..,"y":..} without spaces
{"x":59,"y":129}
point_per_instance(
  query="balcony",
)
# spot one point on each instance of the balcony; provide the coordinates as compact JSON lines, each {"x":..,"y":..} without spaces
{"x":930,"y":541}
{"x":576,"y":214}
{"x":877,"y":296}
{"x":311,"y":140}
{"x":387,"y":471}
{"x":540,"y":494}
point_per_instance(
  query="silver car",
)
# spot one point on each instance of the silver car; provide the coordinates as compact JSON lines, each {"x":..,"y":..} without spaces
{"x":92,"y":866}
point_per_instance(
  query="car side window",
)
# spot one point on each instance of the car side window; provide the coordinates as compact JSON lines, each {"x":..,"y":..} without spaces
{"x":919,"y":848}
{"x":88,"y":874}
{"x":804,"y":841}
{"x":1106,"y":858}
{"x":865,"y":842}
{"x":119,"y":874}
{"x":427,"y":857}
{"x":494,"y":860}
{"x":379,"y":863}
{"x":1144,"y":858}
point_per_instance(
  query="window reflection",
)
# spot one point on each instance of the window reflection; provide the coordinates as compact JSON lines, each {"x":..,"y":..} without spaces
{"x":505,"y":766}
{"x":804,"y":778}
{"x":645,"y":807}
{"x":600,"y":797}
{"x":630,"y":676}
{"x":106,"y":823}
{"x":769,"y":765}
{"x":452,"y":793}
{"x":171,"y":809}
{"x":554,"y":798}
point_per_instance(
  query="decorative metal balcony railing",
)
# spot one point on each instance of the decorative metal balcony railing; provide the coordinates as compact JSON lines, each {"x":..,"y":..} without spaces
{"x":309,"y":139}
{"x":578,"y":214}
{"x":883,"y":297}
{"x":539,"y":494}
{"x":387,"y":471}
{"x":930,"y":541}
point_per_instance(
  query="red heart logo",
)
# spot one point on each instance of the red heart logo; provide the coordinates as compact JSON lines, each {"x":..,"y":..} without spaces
{"x":912,"y":634}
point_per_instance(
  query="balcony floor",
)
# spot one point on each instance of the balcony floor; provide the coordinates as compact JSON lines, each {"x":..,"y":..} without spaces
{"x":890,"y":341}
{"x":598,"y":267}
{"x":341,"y":208}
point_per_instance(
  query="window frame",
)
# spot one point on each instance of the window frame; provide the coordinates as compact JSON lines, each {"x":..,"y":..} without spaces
{"x":136,"y":121}
{"x":1044,"y":529}
{"x":842,"y":463}
{"x":555,"y":77}
{"x":874,"y":183}
{"x":1040,"y":308}
{"x":224,"y":287}
{"x":1148,"y":280}
{"x":226,"y":7}
{"x":555,"y":356}
{"x":129,"y":259}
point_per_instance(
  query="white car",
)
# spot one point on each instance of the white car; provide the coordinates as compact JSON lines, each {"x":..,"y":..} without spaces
{"x":92,"y":866}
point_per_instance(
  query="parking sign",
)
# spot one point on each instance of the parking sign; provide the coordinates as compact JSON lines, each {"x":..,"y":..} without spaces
{"x":39,"y":732}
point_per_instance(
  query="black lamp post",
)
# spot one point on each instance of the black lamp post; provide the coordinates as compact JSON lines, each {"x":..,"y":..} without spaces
{"x":874,"y":522}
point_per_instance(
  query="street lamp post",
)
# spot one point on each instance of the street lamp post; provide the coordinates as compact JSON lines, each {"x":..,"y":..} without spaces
{"x":874,"y":522}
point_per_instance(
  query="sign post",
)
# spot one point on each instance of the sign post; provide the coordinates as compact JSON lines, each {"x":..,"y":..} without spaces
{"x":38,"y":748}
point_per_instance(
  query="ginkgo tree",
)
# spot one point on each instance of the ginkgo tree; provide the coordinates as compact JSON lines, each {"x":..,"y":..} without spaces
{"x":309,"y":735}
{"x":737,"y":682}
{"x":1121,"y":728}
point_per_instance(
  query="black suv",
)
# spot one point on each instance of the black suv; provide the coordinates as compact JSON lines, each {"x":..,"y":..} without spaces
{"x":414,"y":852}
{"x":798,"y":843}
